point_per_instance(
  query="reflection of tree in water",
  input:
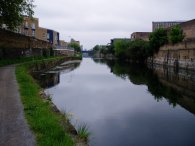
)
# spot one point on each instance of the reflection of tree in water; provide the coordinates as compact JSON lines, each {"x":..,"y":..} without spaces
{"x":141,"y":75}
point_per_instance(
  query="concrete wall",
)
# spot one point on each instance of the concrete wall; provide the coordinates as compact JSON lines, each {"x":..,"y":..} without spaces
{"x":181,"y":55}
{"x":63,"y":52}
{"x":14,"y":45}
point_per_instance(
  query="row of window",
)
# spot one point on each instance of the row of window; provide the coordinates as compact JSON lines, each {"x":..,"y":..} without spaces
{"x":26,"y":25}
{"x":165,"y":24}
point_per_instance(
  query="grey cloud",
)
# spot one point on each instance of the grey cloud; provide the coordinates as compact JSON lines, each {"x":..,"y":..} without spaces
{"x":97,"y":21}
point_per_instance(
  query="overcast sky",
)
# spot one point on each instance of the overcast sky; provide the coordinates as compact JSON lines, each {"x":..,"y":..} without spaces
{"x":97,"y":21}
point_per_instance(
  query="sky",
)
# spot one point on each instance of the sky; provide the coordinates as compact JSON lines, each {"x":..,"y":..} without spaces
{"x":95,"y":22}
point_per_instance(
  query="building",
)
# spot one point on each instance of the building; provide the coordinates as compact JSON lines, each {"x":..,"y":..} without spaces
{"x":119,"y":39}
{"x":63,"y":44}
{"x":188,"y":28}
{"x":53,"y":37}
{"x":28,"y":27}
{"x":140,"y":36}
{"x":74,"y":41}
{"x":165,"y":24}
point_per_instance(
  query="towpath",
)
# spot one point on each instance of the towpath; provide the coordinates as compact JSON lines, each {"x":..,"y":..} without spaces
{"x":14,"y":130}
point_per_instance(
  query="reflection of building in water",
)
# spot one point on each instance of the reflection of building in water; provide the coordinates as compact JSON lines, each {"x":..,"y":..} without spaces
{"x":49,"y":80}
{"x":183,"y":82}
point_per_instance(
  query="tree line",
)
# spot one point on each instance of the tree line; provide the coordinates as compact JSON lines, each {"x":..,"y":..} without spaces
{"x":139,"y":50}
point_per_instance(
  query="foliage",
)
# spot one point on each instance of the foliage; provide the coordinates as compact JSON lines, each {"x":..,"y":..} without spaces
{"x":120,"y":47}
{"x":76,"y":46}
{"x":12,"y":11}
{"x":138,"y":50}
{"x":157,"y":39}
{"x":103,"y":49}
{"x":176,"y":35}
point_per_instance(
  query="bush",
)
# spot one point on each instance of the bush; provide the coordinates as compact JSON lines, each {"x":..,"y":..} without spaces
{"x":176,"y":35}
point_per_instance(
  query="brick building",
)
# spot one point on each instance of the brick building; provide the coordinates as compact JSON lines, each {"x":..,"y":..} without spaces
{"x":140,"y":36}
{"x":41,"y":34}
{"x":188,"y":28}
{"x":28,"y":27}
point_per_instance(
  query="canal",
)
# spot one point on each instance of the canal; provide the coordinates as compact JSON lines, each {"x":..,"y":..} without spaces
{"x":127,"y":105}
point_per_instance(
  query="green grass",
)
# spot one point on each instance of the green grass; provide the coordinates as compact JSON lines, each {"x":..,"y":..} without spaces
{"x":4,"y":62}
{"x":83,"y":132}
{"x":42,"y":120}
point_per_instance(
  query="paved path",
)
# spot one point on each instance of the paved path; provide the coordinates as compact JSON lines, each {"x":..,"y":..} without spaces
{"x":14,"y":130}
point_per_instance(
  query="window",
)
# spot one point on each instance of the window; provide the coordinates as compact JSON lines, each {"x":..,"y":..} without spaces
{"x":33,"y":26}
{"x":33,"y":33}
{"x":48,"y":36}
{"x":26,"y":24}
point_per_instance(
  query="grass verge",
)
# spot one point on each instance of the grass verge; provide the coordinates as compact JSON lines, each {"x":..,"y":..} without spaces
{"x":4,"y":62}
{"x":42,"y":120}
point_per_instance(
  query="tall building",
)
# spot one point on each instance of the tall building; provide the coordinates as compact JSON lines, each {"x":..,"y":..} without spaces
{"x":165,"y":24}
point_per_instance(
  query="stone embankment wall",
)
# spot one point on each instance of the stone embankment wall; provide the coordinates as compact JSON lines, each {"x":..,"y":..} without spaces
{"x":183,"y":82}
{"x":14,"y":45}
{"x":181,"y":55}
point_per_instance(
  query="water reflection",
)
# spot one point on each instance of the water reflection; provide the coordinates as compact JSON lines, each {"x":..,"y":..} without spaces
{"x":116,"y":101}
{"x":176,"y":87}
{"x":52,"y":77}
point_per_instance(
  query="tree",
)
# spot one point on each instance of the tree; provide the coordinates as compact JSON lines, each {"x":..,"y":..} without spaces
{"x":76,"y":46}
{"x":12,"y":11}
{"x":120,"y":47}
{"x":157,"y":39}
{"x":138,"y":50}
{"x":176,"y":35}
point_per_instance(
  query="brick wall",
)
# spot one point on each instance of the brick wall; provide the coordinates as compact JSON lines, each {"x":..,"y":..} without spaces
{"x":14,"y":45}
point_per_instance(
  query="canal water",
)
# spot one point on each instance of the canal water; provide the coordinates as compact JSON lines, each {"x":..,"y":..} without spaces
{"x":127,"y":105}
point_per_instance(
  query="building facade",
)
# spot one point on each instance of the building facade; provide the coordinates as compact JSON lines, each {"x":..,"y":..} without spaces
{"x":166,"y":24}
{"x":63,"y":44}
{"x":74,"y":41}
{"x":188,"y":28}
{"x":53,"y":37}
{"x":140,"y":36}
{"x":28,"y":27}
{"x":41,"y":34}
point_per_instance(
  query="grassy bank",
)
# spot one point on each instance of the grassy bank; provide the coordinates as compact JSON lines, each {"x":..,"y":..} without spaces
{"x":4,"y":62}
{"x":46,"y":124}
